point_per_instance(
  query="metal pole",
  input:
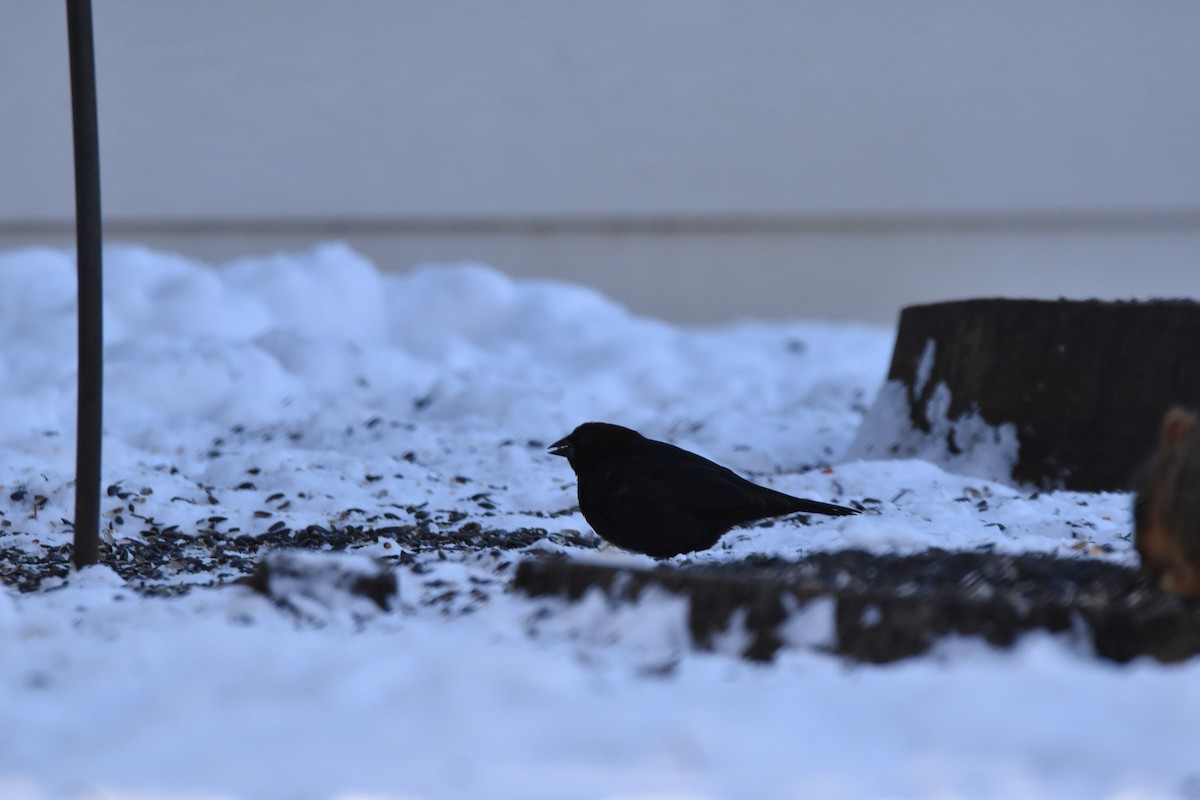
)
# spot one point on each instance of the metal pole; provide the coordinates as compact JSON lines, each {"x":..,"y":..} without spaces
{"x":88,"y":241}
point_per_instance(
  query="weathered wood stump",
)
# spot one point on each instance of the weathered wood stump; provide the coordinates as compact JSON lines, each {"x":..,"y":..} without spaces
{"x":1064,"y":394}
{"x":319,"y":585}
{"x":886,"y":607}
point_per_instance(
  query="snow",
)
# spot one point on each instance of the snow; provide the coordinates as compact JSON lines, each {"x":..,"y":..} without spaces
{"x":980,"y":449}
{"x":314,"y":389}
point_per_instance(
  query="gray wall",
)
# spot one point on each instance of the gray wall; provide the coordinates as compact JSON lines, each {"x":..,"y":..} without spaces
{"x":699,"y":160}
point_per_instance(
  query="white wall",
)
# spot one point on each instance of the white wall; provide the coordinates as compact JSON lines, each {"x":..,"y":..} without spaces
{"x":698,"y":159}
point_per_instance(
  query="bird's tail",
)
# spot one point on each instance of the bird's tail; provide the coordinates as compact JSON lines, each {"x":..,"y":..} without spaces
{"x":817,"y":507}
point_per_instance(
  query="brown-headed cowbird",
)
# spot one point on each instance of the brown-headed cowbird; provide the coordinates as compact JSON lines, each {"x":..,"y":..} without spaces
{"x":1166,"y":511}
{"x":659,"y":499}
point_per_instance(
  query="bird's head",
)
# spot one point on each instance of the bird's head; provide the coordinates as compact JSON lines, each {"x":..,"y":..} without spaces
{"x":593,"y":441}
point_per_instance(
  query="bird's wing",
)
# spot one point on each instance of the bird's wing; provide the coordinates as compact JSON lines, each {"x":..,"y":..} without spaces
{"x":731,"y":492}
{"x":701,"y":487}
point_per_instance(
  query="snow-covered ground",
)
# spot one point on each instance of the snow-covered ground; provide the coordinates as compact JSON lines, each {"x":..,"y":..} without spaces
{"x":272,"y":394}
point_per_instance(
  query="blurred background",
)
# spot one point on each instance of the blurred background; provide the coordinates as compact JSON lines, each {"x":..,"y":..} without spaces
{"x":697,"y":160}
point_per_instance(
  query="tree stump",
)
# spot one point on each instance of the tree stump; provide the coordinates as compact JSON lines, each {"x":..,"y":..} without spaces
{"x":1053,"y":394}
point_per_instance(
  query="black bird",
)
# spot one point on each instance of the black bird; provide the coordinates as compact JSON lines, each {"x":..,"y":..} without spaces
{"x":659,"y":499}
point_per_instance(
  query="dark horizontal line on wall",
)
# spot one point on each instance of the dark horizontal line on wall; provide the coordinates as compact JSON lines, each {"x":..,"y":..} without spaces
{"x":648,"y":225}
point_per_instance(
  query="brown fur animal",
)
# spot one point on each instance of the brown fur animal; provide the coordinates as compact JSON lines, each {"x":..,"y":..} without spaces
{"x":1166,"y":509}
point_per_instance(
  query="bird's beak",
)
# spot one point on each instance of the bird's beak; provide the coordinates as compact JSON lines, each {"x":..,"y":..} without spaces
{"x":561,"y":448}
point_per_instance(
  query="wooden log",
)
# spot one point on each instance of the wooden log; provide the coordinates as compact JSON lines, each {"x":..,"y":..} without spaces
{"x":884,"y":607}
{"x":1080,"y":387}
